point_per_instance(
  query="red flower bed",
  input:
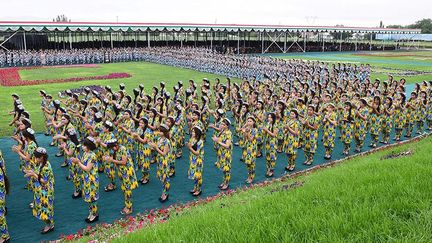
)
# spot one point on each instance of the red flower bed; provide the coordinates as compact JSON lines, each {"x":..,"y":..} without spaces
{"x":11,"y":77}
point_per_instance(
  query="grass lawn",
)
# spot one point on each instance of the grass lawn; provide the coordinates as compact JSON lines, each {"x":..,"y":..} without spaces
{"x":61,"y":73}
{"x":365,"y":199}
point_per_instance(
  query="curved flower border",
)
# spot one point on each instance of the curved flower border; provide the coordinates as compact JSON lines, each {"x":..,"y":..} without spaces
{"x":11,"y":77}
{"x":106,"y":231}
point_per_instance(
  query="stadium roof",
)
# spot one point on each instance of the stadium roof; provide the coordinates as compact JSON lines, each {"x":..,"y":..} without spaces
{"x":12,"y":26}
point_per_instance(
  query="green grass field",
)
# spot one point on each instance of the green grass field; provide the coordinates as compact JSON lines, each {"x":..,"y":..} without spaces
{"x":365,"y":199}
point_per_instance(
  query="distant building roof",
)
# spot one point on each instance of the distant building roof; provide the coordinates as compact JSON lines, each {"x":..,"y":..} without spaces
{"x":36,"y":26}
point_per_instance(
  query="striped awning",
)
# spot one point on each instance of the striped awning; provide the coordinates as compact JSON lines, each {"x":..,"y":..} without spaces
{"x":9,"y":26}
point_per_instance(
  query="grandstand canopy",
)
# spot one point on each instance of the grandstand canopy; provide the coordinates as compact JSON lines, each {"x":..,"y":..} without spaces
{"x":13,"y":26}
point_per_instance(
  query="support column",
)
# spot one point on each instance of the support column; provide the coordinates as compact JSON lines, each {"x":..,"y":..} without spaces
{"x":211,"y":40}
{"x":262,"y":42}
{"x":111,"y":40}
{"x":370,"y":42}
{"x":148,"y":38}
{"x":25,"y":42}
{"x":136,"y":37}
{"x":304,"y":41}
{"x":238,"y":42}
{"x":340,"y":44}
{"x":285,"y":43}
{"x":323,"y":43}
{"x":70,"y":40}
{"x":356,"y":40}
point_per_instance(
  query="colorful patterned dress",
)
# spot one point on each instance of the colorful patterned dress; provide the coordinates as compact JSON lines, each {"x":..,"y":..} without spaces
{"x":44,"y":194}
{"x":375,"y":125}
{"x":3,"y":226}
{"x":144,"y":152}
{"x":329,"y":133}
{"x":271,"y":148}
{"x":163,"y":164}
{"x":177,"y":135}
{"x":399,"y":119}
{"x":29,"y":165}
{"x":250,"y":152}
{"x":90,"y":180}
{"x":361,"y":127}
{"x":421,"y":115}
{"x":74,"y":169}
{"x":110,"y":168}
{"x":387,"y":124}
{"x":124,"y":138}
{"x":291,"y":142}
{"x":224,"y":156}
{"x":310,"y":137}
{"x":196,"y":163}
{"x":127,"y":176}
{"x":429,"y":113}
{"x":347,"y":128}
{"x":260,"y":140}
{"x":410,"y":116}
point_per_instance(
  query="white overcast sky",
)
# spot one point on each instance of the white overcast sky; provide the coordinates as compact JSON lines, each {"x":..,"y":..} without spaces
{"x":364,"y":13}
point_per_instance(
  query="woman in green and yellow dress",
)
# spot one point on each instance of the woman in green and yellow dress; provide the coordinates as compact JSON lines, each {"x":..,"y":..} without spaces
{"x":270,"y":132}
{"x":90,"y":177}
{"x":143,"y":136}
{"x":360,"y":121}
{"x":410,"y":114}
{"x":241,"y":120}
{"x":250,"y":133}
{"x":102,"y":150}
{"x":310,"y":130}
{"x":170,"y":123}
{"x":387,"y":120}
{"x":224,"y":152}
{"x":196,"y":158}
{"x":178,"y":130}
{"x":126,"y":128}
{"x":162,"y":149}
{"x":120,"y":156}
{"x":259,"y":114}
{"x":25,"y":151}
{"x":329,"y":130}
{"x":292,"y":133}
{"x":219,"y":115}
{"x":429,"y":109}
{"x":71,"y":150}
{"x":376,"y":111}
{"x":43,"y":188}
{"x":347,"y":126}
{"x":280,"y":121}
{"x":399,"y":115}
{"x":4,"y":190}
{"x":421,"y":111}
